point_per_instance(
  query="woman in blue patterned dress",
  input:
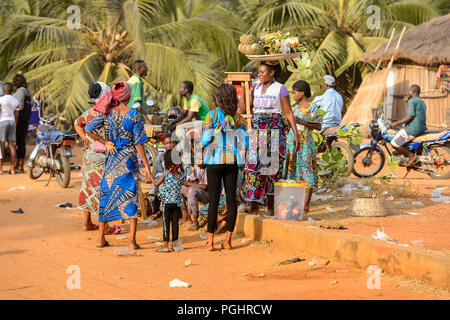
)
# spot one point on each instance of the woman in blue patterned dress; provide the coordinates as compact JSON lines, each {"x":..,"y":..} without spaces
{"x":302,"y":166}
{"x":125,"y":136}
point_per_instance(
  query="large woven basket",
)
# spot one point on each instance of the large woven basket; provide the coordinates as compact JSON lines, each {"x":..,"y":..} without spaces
{"x":271,"y":57}
{"x":368,"y":207}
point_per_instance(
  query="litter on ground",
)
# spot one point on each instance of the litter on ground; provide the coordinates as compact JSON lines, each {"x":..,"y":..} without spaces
{"x":175,"y":283}
{"x":150,"y":222}
{"x":125,"y":252}
{"x":16,"y":188}
{"x":417,"y":203}
{"x":318,"y":262}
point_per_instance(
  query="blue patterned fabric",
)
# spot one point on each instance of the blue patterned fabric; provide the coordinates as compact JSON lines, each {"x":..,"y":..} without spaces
{"x":171,"y":188}
{"x":118,"y":188}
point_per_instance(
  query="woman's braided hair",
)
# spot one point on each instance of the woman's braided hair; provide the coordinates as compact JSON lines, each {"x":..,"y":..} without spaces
{"x":226,"y":98}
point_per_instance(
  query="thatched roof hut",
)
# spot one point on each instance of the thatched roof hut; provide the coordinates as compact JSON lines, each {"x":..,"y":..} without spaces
{"x":421,"y":50}
{"x":427,"y":44}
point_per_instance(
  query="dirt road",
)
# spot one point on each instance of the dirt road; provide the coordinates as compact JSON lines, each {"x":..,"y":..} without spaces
{"x":38,"y":246}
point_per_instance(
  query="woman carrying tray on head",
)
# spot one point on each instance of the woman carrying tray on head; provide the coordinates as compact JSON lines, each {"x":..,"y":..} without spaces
{"x":270,"y":101}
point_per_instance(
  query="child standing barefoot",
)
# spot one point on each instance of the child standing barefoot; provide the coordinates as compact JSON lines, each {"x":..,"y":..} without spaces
{"x":170,"y":194}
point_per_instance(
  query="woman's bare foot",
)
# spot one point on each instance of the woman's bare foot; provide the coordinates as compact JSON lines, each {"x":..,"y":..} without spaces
{"x":227,"y":246}
{"x":12,"y":171}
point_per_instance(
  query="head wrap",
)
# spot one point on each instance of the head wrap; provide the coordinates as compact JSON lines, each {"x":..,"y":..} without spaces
{"x":97,"y":90}
{"x":329,"y":80}
{"x":271,"y":63}
{"x":121,"y":91}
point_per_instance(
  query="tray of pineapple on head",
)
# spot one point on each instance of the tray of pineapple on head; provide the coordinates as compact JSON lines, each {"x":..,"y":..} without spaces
{"x":269,"y":46}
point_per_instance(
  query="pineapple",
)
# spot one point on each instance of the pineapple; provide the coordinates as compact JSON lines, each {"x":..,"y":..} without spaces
{"x":241,"y":47}
{"x":243,"y":39}
{"x":257,"y":49}
{"x":252,"y":39}
{"x":247,"y":49}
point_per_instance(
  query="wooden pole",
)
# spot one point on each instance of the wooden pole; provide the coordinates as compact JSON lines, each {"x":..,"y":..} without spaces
{"x":396,"y":48}
{"x":385,"y":48}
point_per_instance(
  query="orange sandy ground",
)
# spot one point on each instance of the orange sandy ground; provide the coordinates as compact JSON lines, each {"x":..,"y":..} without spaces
{"x":37,"y":247}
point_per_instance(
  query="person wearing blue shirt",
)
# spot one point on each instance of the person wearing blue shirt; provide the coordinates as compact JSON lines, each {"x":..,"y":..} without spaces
{"x":224,"y":139}
{"x":331,"y":102}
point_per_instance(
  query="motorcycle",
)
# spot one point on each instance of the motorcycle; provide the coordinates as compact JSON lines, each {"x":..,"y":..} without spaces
{"x":52,"y":151}
{"x":156,"y":133}
{"x":432,"y":149}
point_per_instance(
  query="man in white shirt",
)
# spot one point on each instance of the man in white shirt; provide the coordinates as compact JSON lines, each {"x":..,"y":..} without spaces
{"x":331,"y":102}
{"x":9,"y":112}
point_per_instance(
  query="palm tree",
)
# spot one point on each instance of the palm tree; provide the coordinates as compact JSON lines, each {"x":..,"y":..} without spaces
{"x":337,"y":30}
{"x":190,"y":42}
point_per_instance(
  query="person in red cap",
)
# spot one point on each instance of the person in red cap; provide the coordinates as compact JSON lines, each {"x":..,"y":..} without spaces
{"x":125,"y":137}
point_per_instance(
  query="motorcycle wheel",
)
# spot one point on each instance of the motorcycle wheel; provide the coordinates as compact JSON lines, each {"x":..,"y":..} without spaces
{"x":151,"y":155}
{"x":442,"y":152}
{"x":33,"y":173}
{"x":348,"y":155}
{"x":364,"y":159}
{"x":63,"y":176}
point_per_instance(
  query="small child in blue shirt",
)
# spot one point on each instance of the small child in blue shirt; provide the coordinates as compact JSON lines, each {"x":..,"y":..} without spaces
{"x":170,"y":193}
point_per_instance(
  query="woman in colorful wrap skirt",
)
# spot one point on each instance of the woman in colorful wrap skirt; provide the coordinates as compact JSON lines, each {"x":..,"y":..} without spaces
{"x":126,"y":135}
{"x":270,"y":100}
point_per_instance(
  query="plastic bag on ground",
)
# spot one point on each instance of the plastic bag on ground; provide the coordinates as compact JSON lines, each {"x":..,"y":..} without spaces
{"x":125,"y":252}
{"x":417,"y":203}
{"x":381,"y":235}
{"x":175,"y":283}
{"x":150,"y":222}
{"x":16,"y":188}
{"x":177,"y":245}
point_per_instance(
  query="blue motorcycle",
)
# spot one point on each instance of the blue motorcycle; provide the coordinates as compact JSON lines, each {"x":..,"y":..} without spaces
{"x":52,"y":151}
{"x":432,"y":149}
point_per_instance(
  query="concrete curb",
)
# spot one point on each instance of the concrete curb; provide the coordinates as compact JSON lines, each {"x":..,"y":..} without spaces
{"x":350,"y":249}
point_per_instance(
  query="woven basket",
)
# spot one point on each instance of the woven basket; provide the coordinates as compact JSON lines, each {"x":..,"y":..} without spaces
{"x":368,"y":207}
{"x":271,"y":57}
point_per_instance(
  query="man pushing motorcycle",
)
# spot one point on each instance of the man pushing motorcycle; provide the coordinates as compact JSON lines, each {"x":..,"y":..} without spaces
{"x":414,"y":123}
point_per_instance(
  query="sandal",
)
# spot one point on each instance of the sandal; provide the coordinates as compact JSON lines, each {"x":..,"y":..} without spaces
{"x":117,"y":229}
{"x":163,"y":250}
{"x":94,"y":227}
{"x":106,"y":244}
